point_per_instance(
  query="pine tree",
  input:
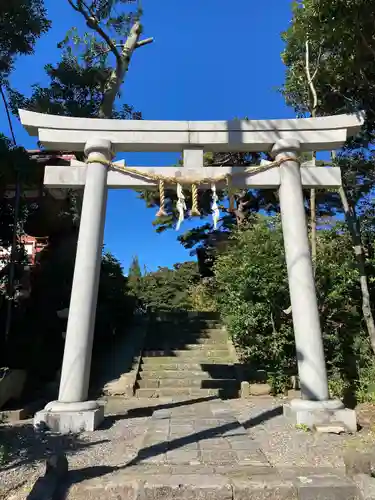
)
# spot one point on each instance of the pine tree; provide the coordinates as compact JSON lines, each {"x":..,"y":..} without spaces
{"x":135,"y":269}
{"x":135,"y":281}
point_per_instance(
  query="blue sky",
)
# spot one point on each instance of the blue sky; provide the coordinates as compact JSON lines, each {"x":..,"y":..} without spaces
{"x":211,"y":60}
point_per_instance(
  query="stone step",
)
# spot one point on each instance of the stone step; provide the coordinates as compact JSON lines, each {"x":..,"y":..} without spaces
{"x":204,"y":352}
{"x":183,"y":328}
{"x":161,"y":344}
{"x":176,"y":339}
{"x":152,"y":383}
{"x":183,"y":345}
{"x":213,"y":341}
{"x":166,"y":392}
{"x":179,"y":364}
{"x":221,"y":373}
{"x":181,"y":332}
{"x":191,"y":482}
{"x":179,"y":360}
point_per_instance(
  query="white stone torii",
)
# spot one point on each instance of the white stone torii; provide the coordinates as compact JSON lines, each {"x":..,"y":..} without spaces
{"x":100,"y":139}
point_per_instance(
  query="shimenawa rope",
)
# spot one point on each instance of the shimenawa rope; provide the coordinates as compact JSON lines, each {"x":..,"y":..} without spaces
{"x":180,"y":182}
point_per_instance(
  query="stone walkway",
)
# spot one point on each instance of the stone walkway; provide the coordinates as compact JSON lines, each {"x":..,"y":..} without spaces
{"x":202,"y":449}
{"x":204,"y":433}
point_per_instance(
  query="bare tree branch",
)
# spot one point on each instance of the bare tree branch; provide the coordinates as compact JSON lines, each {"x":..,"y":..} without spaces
{"x":351,"y":219}
{"x":314,"y":106}
{"x":90,"y":10}
{"x":118,"y":74}
{"x":73,"y":5}
{"x":123,"y":56}
{"x":309,"y":79}
{"x":317,"y":62}
{"x":365,"y":42}
{"x":146,"y":41}
{"x":93,"y":23}
{"x":6,"y":106}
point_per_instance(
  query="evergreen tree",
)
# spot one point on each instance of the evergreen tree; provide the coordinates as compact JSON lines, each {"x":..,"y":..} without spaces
{"x":135,"y":281}
{"x":135,"y":269}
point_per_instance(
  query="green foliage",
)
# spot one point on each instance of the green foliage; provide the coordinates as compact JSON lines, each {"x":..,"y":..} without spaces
{"x":252,"y":295}
{"x":22,"y":22}
{"x":4,"y":454}
{"x":39,"y":347}
{"x":202,"y":296}
{"x":341,"y":55}
{"x":169,"y":289}
{"x":115,"y":305}
{"x":342,"y":51}
{"x":252,"y":292}
{"x":302,"y":427}
{"x":15,"y":159}
{"x":246,"y":202}
{"x":73,"y":91}
{"x":135,"y":282}
{"x":334,"y":40}
{"x":134,"y":269}
{"x":79,"y":81}
{"x":366,"y":386}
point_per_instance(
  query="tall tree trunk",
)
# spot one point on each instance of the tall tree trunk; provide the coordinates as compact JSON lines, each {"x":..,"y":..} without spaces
{"x":313,"y":227}
{"x":123,"y":56}
{"x":314,"y":107}
{"x":355,"y":233}
{"x":119,"y":73}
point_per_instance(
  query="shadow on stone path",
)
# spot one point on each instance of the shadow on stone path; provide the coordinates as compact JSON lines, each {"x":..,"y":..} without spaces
{"x":200,"y":449}
{"x":168,"y":432}
{"x":147,"y":411}
{"x":208,"y":444}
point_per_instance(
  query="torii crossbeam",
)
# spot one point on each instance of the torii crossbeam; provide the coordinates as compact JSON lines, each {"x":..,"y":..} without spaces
{"x":100,"y":139}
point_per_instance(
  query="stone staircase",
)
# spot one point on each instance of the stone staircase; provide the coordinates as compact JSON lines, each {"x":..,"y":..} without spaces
{"x":187,"y":358}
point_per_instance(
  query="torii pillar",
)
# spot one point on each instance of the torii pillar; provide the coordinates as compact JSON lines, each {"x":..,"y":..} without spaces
{"x":284,"y":139}
{"x":307,"y":331}
{"x":72,"y":412}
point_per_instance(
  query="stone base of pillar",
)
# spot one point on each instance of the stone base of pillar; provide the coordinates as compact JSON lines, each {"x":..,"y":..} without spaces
{"x":315,"y":413}
{"x":66,"y":418}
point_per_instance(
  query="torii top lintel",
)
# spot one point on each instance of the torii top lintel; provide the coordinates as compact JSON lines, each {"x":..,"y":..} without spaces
{"x":314,"y":134}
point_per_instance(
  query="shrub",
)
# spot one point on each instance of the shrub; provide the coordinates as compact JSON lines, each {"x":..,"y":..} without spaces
{"x":252,"y":292}
{"x":252,"y":295}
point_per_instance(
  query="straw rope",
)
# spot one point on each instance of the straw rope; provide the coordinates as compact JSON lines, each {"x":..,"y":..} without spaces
{"x":194,"y":182}
{"x":253,"y":169}
{"x":194,"y":195}
{"x":161,"y":212}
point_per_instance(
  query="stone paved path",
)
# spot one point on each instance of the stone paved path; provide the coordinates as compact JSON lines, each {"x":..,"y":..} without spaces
{"x":204,"y":433}
{"x":202,"y":449}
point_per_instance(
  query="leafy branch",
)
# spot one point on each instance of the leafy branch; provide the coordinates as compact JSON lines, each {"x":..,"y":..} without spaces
{"x":128,"y":26}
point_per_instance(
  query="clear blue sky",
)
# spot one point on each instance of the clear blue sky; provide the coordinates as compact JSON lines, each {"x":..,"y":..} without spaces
{"x":211,"y":60}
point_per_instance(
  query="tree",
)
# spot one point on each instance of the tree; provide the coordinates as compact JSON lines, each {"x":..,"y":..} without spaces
{"x":86,"y":83}
{"x":252,"y":302}
{"x":135,"y":280}
{"x":22,"y":22}
{"x":88,"y":79}
{"x":115,"y":304}
{"x":135,"y":269}
{"x":169,"y":289}
{"x":329,"y":71}
{"x":342,"y":44}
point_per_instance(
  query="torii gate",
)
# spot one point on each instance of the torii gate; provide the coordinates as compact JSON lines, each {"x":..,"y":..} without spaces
{"x":101,"y":138}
